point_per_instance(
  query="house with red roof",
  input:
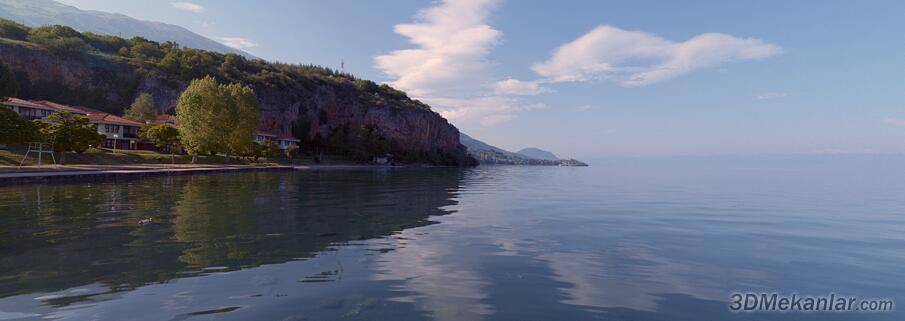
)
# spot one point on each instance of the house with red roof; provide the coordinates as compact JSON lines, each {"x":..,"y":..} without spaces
{"x":32,"y":110}
{"x":121,"y":133}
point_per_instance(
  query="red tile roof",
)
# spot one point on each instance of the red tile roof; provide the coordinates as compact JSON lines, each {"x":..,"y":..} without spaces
{"x":265,"y":133}
{"x":288,"y":137}
{"x":71,"y":109}
{"x":164,"y":119}
{"x":27,"y":103}
{"x":107,"y":118}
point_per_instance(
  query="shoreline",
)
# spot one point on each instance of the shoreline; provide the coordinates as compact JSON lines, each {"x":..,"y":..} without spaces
{"x":15,"y":175}
{"x":100,"y":173}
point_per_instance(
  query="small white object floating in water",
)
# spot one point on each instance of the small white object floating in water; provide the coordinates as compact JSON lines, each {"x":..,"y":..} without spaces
{"x":145,"y":221}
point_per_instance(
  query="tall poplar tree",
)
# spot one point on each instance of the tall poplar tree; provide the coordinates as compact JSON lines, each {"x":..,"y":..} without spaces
{"x":215,"y":118}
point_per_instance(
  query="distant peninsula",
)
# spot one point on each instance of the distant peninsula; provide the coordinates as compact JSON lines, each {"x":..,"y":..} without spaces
{"x":492,"y":155}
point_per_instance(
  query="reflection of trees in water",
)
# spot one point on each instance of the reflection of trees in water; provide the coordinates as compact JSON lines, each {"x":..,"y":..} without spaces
{"x":213,"y":219}
{"x":63,"y":235}
{"x":55,"y":232}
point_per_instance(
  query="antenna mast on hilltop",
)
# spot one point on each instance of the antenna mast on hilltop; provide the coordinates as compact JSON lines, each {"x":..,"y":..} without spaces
{"x":342,"y":66}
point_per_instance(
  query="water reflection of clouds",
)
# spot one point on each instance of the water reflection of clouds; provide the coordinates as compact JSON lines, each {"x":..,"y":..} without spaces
{"x":443,"y":281}
{"x":630,"y":274}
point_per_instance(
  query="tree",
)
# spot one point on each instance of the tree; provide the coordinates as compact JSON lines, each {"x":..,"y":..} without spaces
{"x":257,"y":150}
{"x":61,"y":40}
{"x":199,"y":133}
{"x":291,"y":151}
{"x":9,"y":87}
{"x":70,"y":132}
{"x":245,"y":117}
{"x":15,"y":128}
{"x":215,"y":118}
{"x":271,"y":149}
{"x":142,"y":109}
{"x":13,"y":30}
{"x":163,"y":136}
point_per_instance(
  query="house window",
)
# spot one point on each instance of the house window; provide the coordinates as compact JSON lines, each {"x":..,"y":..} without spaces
{"x":110,"y":128}
{"x":130,"y":132}
{"x":31,"y":113}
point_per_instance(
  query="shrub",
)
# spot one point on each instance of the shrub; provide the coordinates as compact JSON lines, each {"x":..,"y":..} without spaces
{"x":13,"y":30}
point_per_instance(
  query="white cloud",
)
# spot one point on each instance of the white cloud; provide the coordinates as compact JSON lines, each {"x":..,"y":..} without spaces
{"x":773,"y":95}
{"x":519,"y":88}
{"x":895,"y":121}
{"x":636,"y":58}
{"x":487,"y":110}
{"x":452,"y":41}
{"x":448,"y":67}
{"x":237,"y":42}
{"x":188,"y":6}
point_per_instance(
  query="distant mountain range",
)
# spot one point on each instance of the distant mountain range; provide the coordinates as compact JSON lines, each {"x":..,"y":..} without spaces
{"x":489,"y":154}
{"x":34,"y":13}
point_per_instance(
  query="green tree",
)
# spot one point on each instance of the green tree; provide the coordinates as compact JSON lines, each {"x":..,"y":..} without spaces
{"x":61,"y":40}
{"x":291,"y":151}
{"x":142,"y":109}
{"x":70,"y":132}
{"x":215,"y":118}
{"x":244,"y":106}
{"x":199,"y":132}
{"x":13,"y":30}
{"x":163,"y":136}
{"x":373,"y":143}
{"x":271,"y":149}
{"x":15,"y":128}
{"x":9,"y":87}
{"x":257,"y":151}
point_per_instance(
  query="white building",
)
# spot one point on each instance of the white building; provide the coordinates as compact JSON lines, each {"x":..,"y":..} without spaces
{"x":120,"y":132}
{"x":283,"y":141}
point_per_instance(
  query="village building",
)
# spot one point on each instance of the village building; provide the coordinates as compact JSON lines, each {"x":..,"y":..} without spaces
{"x":282,"y":141}
{"x":121,"y":133}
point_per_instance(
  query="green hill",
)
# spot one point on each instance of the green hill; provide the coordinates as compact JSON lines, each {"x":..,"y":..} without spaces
{"x":328,"y":110}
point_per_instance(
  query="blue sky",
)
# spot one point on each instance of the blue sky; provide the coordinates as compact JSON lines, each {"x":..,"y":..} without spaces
{"x":601,"y":78}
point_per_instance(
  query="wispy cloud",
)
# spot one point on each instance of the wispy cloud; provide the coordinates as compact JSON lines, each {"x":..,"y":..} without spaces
{"x":895,"y":121}
{"x":188,"y":6}
{"x":774,"y":95}
{"x":448,"y":67}
{"x":519,"y":88}
{"x":636,"y":58}
{"x":237,"y":42}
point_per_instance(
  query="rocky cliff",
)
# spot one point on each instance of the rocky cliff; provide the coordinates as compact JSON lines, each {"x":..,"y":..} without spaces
{"x":324,"y":109}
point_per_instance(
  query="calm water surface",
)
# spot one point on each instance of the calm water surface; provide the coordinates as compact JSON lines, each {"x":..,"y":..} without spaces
{"x":631,"y":239}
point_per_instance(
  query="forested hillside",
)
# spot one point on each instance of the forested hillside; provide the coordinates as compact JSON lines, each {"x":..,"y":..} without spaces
{"x":329,"y":110}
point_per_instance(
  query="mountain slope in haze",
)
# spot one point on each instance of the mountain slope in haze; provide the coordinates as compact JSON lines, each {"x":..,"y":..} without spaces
{"x":489,"y":154}
{"x":36,"y":13}
{"x":476,"y":145}
{"x":537,"y":153}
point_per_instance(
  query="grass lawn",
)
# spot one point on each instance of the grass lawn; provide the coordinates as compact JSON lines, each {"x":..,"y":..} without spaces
{"x":12,"y":155}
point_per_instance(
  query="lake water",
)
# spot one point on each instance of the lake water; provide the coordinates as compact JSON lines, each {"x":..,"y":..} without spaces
{"x":625,"y":239}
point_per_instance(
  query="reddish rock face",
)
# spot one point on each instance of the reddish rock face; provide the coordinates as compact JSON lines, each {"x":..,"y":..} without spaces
{"x":317,"y":111}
